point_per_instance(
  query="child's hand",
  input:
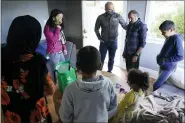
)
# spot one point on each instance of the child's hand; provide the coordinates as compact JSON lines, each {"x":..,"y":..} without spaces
{"x":160,"y":61}
{"x":58,"y":26}
{"x":65,"y":52}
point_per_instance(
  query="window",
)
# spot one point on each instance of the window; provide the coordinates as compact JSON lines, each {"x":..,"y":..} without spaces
{"x":159,"y":11}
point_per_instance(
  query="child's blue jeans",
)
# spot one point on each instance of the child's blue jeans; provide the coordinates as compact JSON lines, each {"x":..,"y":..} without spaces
{"x":163,"y":76}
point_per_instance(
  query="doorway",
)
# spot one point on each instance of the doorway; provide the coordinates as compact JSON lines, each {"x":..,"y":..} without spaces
{"x":90,"y":11}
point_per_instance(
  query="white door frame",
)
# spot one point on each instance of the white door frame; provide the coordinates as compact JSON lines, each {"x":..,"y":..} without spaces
{"x":120,"y":62}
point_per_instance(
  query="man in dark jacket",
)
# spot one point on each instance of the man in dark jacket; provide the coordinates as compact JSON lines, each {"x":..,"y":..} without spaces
{"x":171,"y":53}
{"x":108,"y":22}
{"x":135,"y":40}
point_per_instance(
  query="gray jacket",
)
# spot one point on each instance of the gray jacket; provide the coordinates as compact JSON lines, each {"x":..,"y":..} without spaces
{"x":88,"y":101}
{"x":109,"y":26}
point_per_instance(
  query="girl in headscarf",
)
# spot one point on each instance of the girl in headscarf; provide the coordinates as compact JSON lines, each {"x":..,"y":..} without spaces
{"x":56,"y":48}
{"x":25,"y":80}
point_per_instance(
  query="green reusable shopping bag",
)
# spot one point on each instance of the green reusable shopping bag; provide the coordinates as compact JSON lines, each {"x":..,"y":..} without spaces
{"x":66,"y":74}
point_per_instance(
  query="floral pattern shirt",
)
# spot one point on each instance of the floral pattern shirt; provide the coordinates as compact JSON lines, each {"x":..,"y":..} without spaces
{"x":23,"y":87}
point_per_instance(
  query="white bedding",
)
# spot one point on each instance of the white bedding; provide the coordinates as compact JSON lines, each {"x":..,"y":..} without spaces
{"x":168,"y":90}
{"x":177,"y":78}
{"x":157,"y":110}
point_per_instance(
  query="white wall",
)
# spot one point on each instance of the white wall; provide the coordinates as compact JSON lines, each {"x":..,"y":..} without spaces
{"x":139,"y":6}
{"x":11,"y":9}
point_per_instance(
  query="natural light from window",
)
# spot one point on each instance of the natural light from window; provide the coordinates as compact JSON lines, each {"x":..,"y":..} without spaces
{"x":159,"y":11}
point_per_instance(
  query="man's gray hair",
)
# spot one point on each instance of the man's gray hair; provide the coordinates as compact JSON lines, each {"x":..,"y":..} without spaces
{"x":133,"y":12}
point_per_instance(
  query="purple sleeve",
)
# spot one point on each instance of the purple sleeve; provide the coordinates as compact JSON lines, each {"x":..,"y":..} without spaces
{"x":179,"y":53}
{"x":51,"y":36}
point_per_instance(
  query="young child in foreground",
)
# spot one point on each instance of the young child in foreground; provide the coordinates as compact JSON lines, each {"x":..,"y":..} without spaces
{"x":139,"y":83}
{"x":91,"y":99}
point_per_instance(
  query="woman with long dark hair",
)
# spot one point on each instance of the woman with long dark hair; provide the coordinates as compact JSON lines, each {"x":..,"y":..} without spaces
{"x":55,"y":38}
{"x":25,"y":80}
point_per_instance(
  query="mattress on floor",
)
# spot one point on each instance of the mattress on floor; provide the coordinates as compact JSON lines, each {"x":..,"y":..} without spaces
{"x":151,"y":107}
{"x":168,"y":90}
{"x":171,"y":90}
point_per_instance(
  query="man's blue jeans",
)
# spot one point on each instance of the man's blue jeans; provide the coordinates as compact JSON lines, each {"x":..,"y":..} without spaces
{"x":163,"y":76}
{"x":111,"y":47}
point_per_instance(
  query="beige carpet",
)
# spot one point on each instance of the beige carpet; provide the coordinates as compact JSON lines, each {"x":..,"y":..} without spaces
{"x":119,"y":75}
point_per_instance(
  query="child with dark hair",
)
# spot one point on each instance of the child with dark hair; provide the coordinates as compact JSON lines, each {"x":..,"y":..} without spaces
{"x":139,"y":83}
{"x":55,"y":38}
{"x":90,"y":99}
{"x":171,"y":53}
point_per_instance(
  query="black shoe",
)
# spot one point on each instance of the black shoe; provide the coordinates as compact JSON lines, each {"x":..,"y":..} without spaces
{"x":109,"y":71}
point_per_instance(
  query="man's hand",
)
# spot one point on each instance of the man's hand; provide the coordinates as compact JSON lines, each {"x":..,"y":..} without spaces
{"x":134,"y":58}
{"x":65,"y":52}
{"x":101,"y":41}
